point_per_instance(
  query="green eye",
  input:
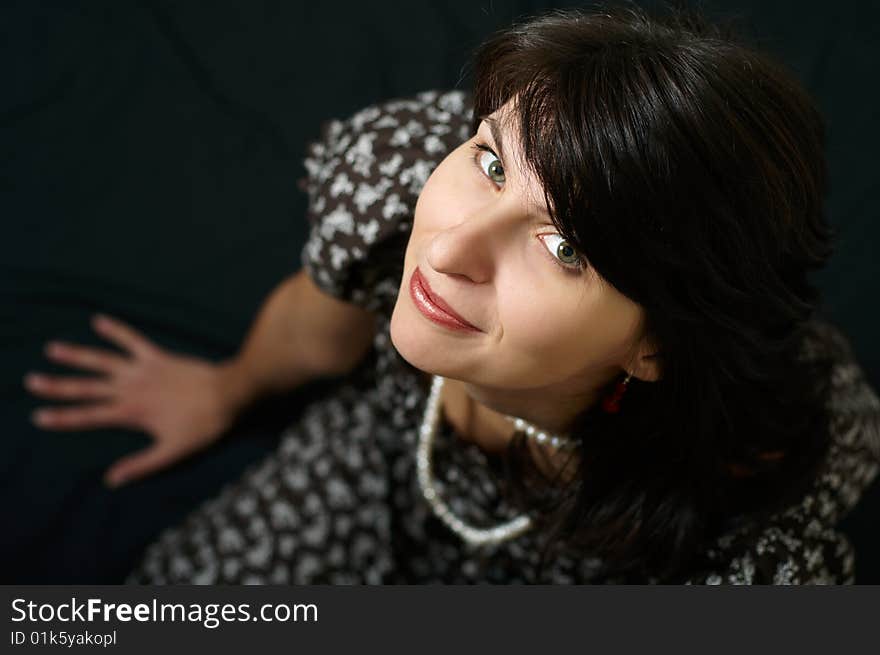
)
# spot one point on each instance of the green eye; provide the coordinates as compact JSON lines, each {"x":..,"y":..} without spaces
{"x":496,"y":171}
{"x":491,"y":166}
{"x":566,"y":253}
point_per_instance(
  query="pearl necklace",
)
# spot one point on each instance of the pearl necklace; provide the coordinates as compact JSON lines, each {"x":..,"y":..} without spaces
{"x":427,"y":433}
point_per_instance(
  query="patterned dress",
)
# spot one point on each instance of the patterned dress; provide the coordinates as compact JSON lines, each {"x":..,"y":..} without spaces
{"x":339,"y":501}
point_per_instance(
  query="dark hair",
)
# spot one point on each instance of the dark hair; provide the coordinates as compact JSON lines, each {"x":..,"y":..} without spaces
{"x":688,"y":169}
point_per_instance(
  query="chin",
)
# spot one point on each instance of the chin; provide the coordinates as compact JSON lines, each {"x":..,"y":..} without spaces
{"x":410,"y":339}
{"x":422,"y":346}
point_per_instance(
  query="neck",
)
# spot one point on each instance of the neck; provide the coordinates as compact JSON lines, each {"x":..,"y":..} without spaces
{"x":482,"y":412}
{"x":491,"y":429}
{"x":550,"y":410}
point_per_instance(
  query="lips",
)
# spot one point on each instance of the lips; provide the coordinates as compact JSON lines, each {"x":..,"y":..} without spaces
{"x":433,"y":306}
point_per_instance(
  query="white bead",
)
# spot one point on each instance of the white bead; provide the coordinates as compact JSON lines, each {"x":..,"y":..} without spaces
{"x":541,"y":436}
{"x":471,"y":535}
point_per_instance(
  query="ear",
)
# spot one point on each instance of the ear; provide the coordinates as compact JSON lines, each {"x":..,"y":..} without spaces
{"x":647,"y":365}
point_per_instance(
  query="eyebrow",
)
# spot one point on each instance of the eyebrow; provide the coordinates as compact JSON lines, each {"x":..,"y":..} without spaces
{"x":499,"y":142}
{"x":496,"y":134}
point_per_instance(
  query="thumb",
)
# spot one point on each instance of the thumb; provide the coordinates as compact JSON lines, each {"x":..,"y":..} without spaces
{"x":138,"y":465}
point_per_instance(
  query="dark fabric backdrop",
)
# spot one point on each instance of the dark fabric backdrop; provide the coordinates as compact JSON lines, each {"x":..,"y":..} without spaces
{"x":149,"y":153}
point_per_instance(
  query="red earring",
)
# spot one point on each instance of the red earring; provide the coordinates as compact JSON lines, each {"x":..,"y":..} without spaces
{"x":611,"y":402}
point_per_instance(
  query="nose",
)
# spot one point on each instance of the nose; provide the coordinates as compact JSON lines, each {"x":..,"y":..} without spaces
{"x":473,"y":247}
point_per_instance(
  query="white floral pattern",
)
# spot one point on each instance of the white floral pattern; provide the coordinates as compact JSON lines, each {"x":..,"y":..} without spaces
{"x":338,"y":502}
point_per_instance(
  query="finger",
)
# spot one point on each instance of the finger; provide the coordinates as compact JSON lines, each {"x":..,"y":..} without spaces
{"x":122,"y":334}
{"x":84,"y":357}
{"x":77,"y":418}
{"x":67,"y":388}
{"x":138,"y":465}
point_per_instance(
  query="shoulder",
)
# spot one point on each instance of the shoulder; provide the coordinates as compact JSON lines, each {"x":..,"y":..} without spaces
{"x":802,"y":544}
{"x":363,"y":180}
{"x":788,"y":551}
{"x":853,"y":458}
{"x":398,"y":139}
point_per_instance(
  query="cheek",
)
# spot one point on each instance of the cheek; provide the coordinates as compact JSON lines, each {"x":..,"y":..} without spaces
{"x":428,"y":207}
{"x":448,"y":194}
{"x":568,"y":329}
{"x":542,"y":322}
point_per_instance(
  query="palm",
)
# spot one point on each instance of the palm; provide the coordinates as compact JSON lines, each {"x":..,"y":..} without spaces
{"x":176,"y":399}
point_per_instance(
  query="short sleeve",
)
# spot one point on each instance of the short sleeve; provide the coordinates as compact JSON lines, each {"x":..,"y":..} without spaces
{"x":363,"y":179}
{"x":803,"y":544}
{"x":854,"y":457}
{"x":782,"y":554}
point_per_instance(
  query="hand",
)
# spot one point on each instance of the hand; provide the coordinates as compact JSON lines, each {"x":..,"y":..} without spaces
{"x":183,"y":402}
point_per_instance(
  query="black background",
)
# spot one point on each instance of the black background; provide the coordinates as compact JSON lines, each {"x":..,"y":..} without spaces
{"x":149,"y":157}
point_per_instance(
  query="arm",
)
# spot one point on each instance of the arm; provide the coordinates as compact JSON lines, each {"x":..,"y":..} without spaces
{"x":186,"y":403}
{"x":301,"y":333}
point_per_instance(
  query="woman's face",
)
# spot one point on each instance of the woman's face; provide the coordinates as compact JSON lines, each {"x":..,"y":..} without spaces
{"x":542,"y":320}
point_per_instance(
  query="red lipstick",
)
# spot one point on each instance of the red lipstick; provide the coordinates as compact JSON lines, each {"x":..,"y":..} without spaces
{"x":434,"y":307}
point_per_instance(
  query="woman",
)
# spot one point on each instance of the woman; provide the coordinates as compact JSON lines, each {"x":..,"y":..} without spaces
{"x":577,"y":335}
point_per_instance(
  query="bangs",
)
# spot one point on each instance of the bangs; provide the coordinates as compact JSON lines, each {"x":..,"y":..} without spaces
{"x":537,"y":110}
{"x":592,"y":117}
